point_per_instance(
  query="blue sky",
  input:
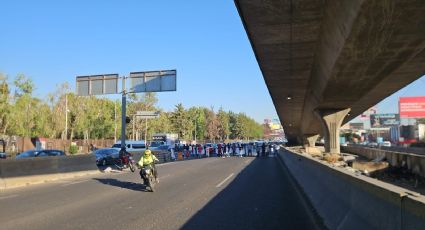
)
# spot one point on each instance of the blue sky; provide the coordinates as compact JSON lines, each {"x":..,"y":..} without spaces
{"x":54,"y":41}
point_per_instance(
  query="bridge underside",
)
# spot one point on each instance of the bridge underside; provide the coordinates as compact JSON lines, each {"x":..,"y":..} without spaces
{"x":321,"y":56}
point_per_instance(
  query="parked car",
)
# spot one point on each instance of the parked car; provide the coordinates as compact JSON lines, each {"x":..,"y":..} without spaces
{"x":40,"y":153}
{"x":372,"y":145}
{"x":163,"y":148}
{"x":3,"y":150}
{"x":106,"y":156}
{"x":157,"y":145}
{"x":385,"y":144}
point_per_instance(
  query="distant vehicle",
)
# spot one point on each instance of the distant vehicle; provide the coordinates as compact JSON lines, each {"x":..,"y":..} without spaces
{"x":106,"y":156}
{"x":385,"y":144}
{"x":259,"y":143}
{"x":3,"y":153}
{"x":40,"y":153}
{"x":163,"y":148}
{"x":167,"y":138}
{"x":132,"y":146}
{"x":372,"y":145}
{"x":155,"y":145}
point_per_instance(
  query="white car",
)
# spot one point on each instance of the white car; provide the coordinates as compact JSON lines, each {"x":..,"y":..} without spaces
{"x":132,"y":146}
{"x":372,"y":145}
{"x":385,"y":144}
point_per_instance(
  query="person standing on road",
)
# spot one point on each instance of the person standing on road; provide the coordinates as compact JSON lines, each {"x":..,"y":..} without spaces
{"x":263,"y":150}
{"x":199,"y":151}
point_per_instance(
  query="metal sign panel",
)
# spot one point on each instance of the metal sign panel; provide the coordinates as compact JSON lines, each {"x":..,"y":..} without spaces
{"x":147,"y":114}
{"x":97,"y":84}
{"x":412,"y":107}
{"x":384,"y":120}
{"x":153,"y":81}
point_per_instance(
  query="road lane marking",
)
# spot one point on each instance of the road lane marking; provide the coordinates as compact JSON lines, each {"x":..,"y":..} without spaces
{"x":7,"y":197}
{"x":76,"y":182}
{"x":224,"y":181}
{"x":163,"y":164}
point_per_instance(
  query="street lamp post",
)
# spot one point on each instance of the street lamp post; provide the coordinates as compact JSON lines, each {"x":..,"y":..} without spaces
{"x":66,"y":116}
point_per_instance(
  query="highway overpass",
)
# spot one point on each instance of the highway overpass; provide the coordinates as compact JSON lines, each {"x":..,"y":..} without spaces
{"x":325,"y":62}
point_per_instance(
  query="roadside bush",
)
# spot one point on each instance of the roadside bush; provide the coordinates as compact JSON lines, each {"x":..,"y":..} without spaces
{"x":73,"y":149}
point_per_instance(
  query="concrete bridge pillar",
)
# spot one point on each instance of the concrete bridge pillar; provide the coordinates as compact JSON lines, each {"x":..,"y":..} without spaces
{"x":310,"y":140}
{"x":310,"y":143}
{"x":331,"y":120}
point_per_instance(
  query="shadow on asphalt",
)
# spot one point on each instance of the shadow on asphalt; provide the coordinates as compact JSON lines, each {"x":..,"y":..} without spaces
{"x":123,"y":184}
{"x":260,"y":197}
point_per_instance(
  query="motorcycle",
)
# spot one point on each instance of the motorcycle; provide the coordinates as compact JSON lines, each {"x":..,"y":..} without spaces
{"x":148,"y":177}
{"x":126,"y":161}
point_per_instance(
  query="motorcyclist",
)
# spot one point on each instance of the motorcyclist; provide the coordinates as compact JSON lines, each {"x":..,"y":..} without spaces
{"x":148,"y":159}
{"x":124,"y":156}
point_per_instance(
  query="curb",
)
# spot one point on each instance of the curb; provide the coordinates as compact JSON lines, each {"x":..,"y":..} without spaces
{"x":312,"y":212}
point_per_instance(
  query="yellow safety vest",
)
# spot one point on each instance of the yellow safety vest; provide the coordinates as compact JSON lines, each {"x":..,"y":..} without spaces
{"x":147,"y":160}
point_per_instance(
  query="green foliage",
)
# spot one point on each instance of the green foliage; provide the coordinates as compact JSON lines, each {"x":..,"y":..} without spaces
{"x":96,"y":118}
{"x":181,"y":123}
{"x":73,"y":149}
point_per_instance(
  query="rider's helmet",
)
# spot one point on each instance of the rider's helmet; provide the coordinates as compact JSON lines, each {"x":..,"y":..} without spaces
{"x":148,"y":152}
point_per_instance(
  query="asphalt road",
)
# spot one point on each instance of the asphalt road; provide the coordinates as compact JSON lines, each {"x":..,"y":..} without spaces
{"x":213,"y":193}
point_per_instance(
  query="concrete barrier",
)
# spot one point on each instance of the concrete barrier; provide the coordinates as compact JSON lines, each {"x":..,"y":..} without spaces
{"x":348,"y":201}
{"x":413,"y":162}
{"x":19,"y":172}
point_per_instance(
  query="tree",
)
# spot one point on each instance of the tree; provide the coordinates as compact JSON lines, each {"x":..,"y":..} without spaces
{"x":212,"y":131}
{"x":24,"y":108}
{"x":223,"y":124}
{"x":180,"y":122}
{"x":197,"y":117}
{"x":4,"y":104}
{"x":24,"y":85}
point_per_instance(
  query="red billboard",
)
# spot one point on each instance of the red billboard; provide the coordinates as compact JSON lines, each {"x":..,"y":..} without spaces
{"x":412,"y":107}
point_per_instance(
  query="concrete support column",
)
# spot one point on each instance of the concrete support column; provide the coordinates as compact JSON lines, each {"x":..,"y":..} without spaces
{"x":331,"y":120}
{"x":310,"y":140}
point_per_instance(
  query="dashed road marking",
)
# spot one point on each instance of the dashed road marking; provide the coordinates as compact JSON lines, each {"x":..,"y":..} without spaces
{"x":75,"y":182}
{"x":7,"y":197}
{"x":224,"y":181}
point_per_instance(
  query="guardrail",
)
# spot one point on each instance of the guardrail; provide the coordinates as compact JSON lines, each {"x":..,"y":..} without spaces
{"x":415,"y":163}
{"x":348,"y":201}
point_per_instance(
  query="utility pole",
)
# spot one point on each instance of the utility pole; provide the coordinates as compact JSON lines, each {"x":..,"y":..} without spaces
{"x":115,"y":121}
{"x":66,"y":116}
{"x":123,"y":117}
{"x":146,"y":130}
{"x":196,"y":124}
{"x":134,"y":134}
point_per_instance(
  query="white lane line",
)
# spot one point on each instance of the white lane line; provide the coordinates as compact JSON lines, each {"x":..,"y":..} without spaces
{"x":76,"y":182}
{"x":224,"y":181}
{"x":7,"y":197}
{"x":163,"y":164}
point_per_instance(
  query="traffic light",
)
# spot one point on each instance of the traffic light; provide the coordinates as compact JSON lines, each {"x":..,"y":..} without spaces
{"x":127,"y":119}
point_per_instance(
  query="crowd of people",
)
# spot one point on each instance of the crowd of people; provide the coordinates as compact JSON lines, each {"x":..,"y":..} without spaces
{"x":187,"y":151}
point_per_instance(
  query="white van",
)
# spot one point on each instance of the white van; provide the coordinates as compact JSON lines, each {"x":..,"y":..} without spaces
{"x":132,"y":146}
{"x":385,"y":144}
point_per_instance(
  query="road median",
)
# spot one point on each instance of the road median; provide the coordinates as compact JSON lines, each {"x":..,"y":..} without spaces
{"x":346,"y":200}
